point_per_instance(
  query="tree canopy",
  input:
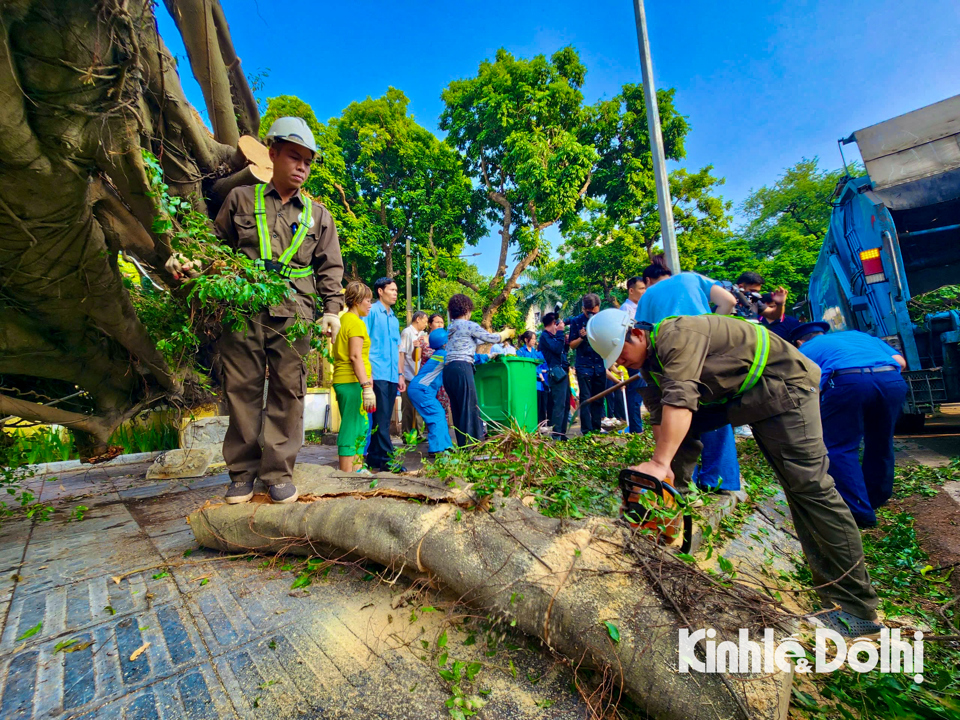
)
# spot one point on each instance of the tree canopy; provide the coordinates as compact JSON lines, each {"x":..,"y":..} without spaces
{"x":787,"y":223}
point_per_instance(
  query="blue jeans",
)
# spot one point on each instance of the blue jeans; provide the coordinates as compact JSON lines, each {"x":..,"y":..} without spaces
{"x":634,"y":402}
{"x":862,"y":408}
{"x":719,"y":467}
{"x":424,"y":399}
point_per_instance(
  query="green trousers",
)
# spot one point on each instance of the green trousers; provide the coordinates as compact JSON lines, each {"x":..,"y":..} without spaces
{"x":792,"y":442}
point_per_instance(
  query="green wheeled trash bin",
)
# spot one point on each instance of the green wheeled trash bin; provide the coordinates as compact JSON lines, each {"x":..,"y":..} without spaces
{"x":507,"y":391}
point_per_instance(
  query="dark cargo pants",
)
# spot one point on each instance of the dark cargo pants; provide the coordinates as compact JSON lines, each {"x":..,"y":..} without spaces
{"x":792,"y":442}
{"x":245,"y":355}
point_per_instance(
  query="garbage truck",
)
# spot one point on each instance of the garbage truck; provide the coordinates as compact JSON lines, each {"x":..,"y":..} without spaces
{"x":895,"y":234}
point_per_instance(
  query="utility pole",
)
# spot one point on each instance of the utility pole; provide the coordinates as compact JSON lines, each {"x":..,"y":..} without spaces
{"x":409,"y":289}
{"x":664,"y":202}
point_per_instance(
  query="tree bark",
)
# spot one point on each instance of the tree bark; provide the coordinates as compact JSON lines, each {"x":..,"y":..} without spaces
{"x":564,"y":582}
{"x":74,"y":190}
{"x":248,"y":114}
{"x":195,"y":21}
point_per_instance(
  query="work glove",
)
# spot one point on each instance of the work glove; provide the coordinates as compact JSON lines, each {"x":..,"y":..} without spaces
{"x":330,"y":324}
{"x":369,"y":400}
{"x":178,"y":266}
{"x":507,"y":333}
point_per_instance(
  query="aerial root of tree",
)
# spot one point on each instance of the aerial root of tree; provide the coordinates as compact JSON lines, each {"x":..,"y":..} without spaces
{"x":562,"y":581}
{"x":74,"y":192}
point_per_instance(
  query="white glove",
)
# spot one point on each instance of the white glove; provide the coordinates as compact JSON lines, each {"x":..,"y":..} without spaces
{"x":369,"y":400}
{"x":178,"y":266}
{"x":508,"y":333}
{"x":330,"y":324}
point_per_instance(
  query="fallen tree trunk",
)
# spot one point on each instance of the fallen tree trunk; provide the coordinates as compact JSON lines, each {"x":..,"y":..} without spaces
{"x":561,"y":581}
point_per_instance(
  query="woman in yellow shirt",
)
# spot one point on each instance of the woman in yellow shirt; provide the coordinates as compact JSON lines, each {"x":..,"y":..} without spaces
{"x":352,"y":377}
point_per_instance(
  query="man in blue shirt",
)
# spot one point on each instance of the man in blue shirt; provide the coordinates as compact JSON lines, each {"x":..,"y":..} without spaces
{"x":861,"y":395}
{"x":591,"y":374}
{"x":684,"y":294}
{"x":669,"y":295}
{"x":386,"y":361}
{"x":553,"y":345}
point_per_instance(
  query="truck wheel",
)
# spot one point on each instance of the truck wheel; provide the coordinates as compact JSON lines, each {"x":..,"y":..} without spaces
{"x":910,"y":423}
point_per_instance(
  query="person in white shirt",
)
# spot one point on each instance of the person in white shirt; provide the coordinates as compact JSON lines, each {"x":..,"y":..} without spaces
{"x":635,"y":290}
{"x":409,"y":347}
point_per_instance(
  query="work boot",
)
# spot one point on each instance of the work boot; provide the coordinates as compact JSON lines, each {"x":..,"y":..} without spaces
{"x":239,"y":492}
{"x":847,"y":625}
{"x":284,"y":493}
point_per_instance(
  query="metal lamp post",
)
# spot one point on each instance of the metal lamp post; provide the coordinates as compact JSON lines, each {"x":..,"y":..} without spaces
{"x":664,"y":202}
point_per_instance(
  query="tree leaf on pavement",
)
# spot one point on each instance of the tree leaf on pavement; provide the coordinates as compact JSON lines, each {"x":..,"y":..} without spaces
{"x":78,"y":646}
{"x":139,"y":651}
{"x":31,"y":632}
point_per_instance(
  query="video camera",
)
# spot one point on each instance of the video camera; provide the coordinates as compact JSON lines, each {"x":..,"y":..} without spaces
{"x":749,"y":303}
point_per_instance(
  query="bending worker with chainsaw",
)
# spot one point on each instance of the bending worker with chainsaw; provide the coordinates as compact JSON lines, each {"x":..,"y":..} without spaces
{"x":285,"y":232}
{"x":707,"y":371}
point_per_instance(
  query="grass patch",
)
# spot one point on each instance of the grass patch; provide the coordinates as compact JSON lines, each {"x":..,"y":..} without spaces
{"x":55,"y":445}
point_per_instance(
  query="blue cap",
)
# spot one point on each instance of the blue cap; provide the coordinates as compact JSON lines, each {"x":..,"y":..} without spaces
{"x":808,"y":327}
{"x":438,"y":338}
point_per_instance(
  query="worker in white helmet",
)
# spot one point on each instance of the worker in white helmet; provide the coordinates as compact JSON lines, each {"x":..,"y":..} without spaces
{"x":287,"y":233}
{"x":706,"y":371}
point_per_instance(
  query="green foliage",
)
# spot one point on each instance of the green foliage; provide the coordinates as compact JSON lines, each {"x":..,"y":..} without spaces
{"x":53,"y":445}
{"x":572,"y":479}
{"x":613,"y":631}
{"x":521,"y":125}
{"x":787,"y":223}
{"x":623,"y":179}
{"x":15,"y":499}
{"x":229,"y":288}
{"x":945,"y":298}
{"x":543,"y":286}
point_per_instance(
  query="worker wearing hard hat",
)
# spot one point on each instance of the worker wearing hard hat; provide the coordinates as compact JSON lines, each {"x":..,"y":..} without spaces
{"x":706,"y":371}
{"x":289,"y":234}
{"x":861,"y":394}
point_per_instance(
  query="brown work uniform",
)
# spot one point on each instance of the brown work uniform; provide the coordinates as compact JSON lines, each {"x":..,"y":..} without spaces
{"x":699,"y":363}
{"x":262,"y":344}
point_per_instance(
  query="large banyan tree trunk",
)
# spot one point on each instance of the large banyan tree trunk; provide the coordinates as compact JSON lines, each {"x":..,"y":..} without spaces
{"x":561,"y":581}
{"x":84,"y":87}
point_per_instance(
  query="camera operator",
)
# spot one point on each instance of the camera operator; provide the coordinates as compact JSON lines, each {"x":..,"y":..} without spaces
{"x":769,"y":309}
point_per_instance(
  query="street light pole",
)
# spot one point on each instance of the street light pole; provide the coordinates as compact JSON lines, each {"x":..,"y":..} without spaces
{"x":408,"y":284}
{"x":656,"y":142}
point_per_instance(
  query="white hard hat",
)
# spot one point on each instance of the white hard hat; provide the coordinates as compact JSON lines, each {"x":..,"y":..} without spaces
{"x":607,"y":333}
{"x":292,"y":129}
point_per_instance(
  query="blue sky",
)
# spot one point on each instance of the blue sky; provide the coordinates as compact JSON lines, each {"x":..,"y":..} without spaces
{"x":762,"y":83}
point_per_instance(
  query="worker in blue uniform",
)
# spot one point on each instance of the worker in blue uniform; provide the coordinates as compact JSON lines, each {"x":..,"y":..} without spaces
{"x":688,"y":293}
{"x":861,"y":392}
{"x":423,"y":394}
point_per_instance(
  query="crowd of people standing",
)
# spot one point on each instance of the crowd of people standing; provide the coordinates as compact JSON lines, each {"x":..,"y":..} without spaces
{"x":429,"y":366}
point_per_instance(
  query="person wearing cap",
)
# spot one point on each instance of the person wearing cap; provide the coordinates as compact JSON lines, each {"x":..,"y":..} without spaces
{"x":287,"y":233}
{"x":423,"y":392}
{"x":861,"y":393}
{"x":707,"y":371}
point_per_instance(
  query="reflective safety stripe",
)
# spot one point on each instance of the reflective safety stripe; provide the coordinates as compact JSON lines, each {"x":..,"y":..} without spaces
{"x":759,"y":364}
{"x":260,"y":213}
{"x":263,"y":235}
{"x":760,"y":358}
